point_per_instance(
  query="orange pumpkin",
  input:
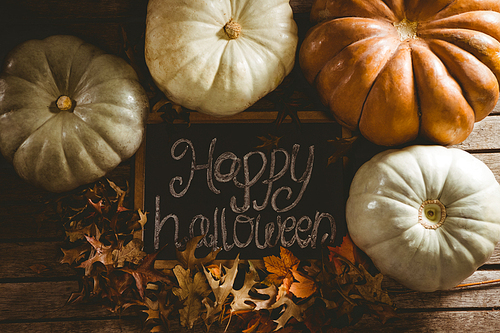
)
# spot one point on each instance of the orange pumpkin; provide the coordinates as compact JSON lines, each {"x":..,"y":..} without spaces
{"x":397,"y":69}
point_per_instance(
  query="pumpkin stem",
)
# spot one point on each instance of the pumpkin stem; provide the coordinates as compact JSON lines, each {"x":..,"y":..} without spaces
{"x":431,"y":214}
{"x":64,"y":103}
{"x":406,"y":29}
{"x":232,"y":29}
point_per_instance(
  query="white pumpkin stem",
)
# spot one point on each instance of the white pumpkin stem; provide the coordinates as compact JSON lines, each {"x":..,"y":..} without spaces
{"x":64,"y":103}
{"x":431,"y":214}
{"x":232,"y":29}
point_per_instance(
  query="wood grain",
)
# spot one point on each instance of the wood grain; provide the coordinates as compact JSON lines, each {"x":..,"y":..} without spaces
{"x":437,"y":321}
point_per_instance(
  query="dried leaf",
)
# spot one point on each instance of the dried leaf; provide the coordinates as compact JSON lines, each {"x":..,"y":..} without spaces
{"x":191,"y":291}
{"x":187,"y":257}
{"x":290,"y":310}
{"x":372,"y":290}
{"x":221,"y":288}
{"x":132,"y":252}
{"x":101,"y":253}
{"x":305,"y":286}
{"x":146,"y":273}
{"x":342,"y":147}
{"x":77,"y":234}
{"x":242,"y":300}
{"x":280,"y":267}
{"x":270,"y":142}
{"x":74,"y":254}
{"x":39,"y":268}
{"x":347,"y":250}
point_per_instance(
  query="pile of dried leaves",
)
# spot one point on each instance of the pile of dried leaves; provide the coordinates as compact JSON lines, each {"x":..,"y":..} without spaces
{"x":105,"y":240}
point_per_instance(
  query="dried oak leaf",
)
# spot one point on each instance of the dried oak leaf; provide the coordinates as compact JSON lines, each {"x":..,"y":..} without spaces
{"x":242,"y":300}
{"x":372,"y":290}
{"x":290,"y":310}
{"x":190,"y":292}
{"x":221,"y":288}
{"x":187,"y":257}
{"x":304,"y":287}
{"x":342,"y":147}
{"x":101,"y":253}
{"x":76,"y":234}
{"x":270,"y":142}
{"x":145,"y":273}
{"x":280,"y":267}
{"x":74,"y":254}
{"x":131,"y":252}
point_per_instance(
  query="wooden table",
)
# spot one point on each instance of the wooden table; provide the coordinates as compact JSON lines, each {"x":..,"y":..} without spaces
{"x":34,"y":286}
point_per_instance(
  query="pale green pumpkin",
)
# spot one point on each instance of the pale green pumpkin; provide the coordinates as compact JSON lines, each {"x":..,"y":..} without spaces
{"x":69,"y":112}
{"x":428,"y":216}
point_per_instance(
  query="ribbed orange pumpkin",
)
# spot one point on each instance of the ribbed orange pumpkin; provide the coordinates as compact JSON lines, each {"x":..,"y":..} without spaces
{"x":400,"y":69}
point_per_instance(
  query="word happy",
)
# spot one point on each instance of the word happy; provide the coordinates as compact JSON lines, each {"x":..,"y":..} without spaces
{"x":248,"y":224}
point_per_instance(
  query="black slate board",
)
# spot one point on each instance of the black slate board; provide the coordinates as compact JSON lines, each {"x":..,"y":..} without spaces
{"x":213,"y":194}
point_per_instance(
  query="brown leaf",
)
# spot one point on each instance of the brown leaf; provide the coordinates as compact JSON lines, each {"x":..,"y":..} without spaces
{"x":305,"y":286}
{"x":39,"y":268}
{"x":101,"y":253}
{"x":73,"y":255}
{"x":146,"y":273}
{"x":187,"y":257}
{"x":76,"y":234}
{"x":290,"y":310}
{"x":342,"y":147}
{"x":191,"y":291}
{"x":270,"y":142}
{"x":132,"y":252}
{"x":372,"y":290}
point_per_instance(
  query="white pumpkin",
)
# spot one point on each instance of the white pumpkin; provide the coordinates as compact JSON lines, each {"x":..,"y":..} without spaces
{"x":69,"y":112}
{"x":427,"y":216}
{"x":219,"y":57}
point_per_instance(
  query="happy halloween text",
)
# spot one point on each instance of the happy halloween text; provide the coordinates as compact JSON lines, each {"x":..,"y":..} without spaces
{"x":284,"y":229}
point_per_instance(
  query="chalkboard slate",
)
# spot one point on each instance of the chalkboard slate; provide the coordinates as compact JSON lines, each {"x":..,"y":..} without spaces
{"x":247,"y":195}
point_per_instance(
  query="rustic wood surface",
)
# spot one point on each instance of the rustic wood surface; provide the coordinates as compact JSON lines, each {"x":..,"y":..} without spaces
{"x":34,"y":286}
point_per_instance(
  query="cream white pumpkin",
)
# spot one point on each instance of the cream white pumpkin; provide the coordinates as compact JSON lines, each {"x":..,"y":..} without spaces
{"x":69,"y":112}
{"x":427,"y":216}
{"x":219,"y":57}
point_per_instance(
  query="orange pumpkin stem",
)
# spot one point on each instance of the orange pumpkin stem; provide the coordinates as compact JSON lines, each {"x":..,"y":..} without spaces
{"x":64,"y":103}
{"x":232,"y":29}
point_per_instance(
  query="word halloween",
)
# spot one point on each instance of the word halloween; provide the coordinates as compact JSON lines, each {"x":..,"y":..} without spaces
{"x":263,"y":217}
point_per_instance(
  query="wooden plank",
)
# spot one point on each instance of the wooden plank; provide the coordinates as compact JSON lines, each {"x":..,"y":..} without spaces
{"x":33,"y":260}
{"x":445,"y":321}
{"x":484,"y":136}
{"x":478,"y":297}
{"x":492,"y":160}
{"x":22,"y":205}
{"x":124,"y":324}
{"x":43,"y":300}
{"x":105,"y":35}
{"x":495,"y":257}
{"x":27,"y":11}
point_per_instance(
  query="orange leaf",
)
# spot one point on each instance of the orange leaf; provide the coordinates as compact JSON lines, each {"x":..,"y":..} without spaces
{"x":281,"y":266}
{"x":346,"y":249}
{"x":305,"y":286}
